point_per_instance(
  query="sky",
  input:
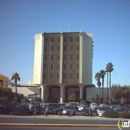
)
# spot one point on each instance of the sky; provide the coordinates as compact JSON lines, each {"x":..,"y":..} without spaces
{"x":108,"y":20}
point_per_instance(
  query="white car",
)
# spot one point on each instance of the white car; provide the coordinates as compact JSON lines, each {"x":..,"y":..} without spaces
{"x":101,"y":110}
{"x":81,"y":107}
{"x":69,"y":110}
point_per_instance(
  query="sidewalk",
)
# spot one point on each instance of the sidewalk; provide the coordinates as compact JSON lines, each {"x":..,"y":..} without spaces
{"x":57,"y":125}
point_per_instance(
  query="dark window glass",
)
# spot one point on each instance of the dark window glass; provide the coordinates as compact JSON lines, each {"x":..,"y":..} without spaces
{"x":51,"y":57}
{"x":45,"y":57}
{"x":64,"y":66}
{"x":51,"y":76}
{"x":45,"y":39}
{"x":58,"y":39}
{"x":77,"y":66}
{"x":64,"y":76}
{"x":57,"y":76}
{"x":45,"y":66}
{"x":64,"y":48}
{"x":51,"y":66}
{"x":71,"y":48}
{"x":52,"y":39}
{"x":58,"y":48}
{"x":77,"y":57}
{"x":71,"y":57}
{"x":64,"y":38}
{"x":71,"y":38}
{"x":44,"y":76}
{"x":77,"y":47}
{"x":64,"y":57}
{"x":77,"y":38}
{"x":58,"y":57}
{"x":77,"y":76}
{"x":58,"y":66}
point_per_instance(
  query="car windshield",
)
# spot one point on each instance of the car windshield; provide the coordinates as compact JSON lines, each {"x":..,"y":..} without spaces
{"x":68,"y":107}
{"x":102,"y":108}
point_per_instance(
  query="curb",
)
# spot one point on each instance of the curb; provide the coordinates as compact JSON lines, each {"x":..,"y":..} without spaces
{"x":58,"y":125}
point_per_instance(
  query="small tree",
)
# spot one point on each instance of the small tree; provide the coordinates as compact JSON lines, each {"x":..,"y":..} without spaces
{"x":73,"y":97}
{"x":16,"y":78}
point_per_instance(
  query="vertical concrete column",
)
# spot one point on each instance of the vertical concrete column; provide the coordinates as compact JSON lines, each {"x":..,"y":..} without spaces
{"x":81,"y":91}
{"x":81,"y":57}
{"x":61,"y":57}
{"x":61,"y":93}
{"x":42,"y":92}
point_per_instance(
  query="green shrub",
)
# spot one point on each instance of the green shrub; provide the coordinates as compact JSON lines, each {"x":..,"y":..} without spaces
{"x":124,"y":115}
{"x":111,"y":114}
{"x":19,"y":111}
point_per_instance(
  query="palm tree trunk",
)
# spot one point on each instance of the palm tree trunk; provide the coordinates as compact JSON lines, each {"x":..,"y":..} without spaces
{"x":102,"y":87}
{"x":109,"y":83}
{"x":99,"y":97}
{"x":15,"y":86}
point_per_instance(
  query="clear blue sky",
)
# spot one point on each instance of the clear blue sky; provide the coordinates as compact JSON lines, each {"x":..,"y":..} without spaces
{"x":108,"y":20}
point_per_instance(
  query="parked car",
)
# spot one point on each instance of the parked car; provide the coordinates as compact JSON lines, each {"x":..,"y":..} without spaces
{"x":51,"y":109}
{"x":69,"y":110}
{"x":101,"y":110}
{"x":86,"y":111}
{"x":81,"y":107}
{"x":94,"y":108}
{"x":120,"y":109}
{"x":38,"y":110}
{"x":34,"y":103}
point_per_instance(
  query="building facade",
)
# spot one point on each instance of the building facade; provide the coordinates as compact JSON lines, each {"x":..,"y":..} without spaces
{"x":3,"y":81}
{"x":62,"y":60}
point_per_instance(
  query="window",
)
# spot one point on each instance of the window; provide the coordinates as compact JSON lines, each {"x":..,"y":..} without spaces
{"x":58,"y":39}
{"x":71,"y":48}
{"x":64,"y":57}
{"x":77,"y":76}
{"x":52,"y":48}
{"x":64,"y":48}
{"x":77,"y":66}
{"x":58,"y":66}
{"x":64,"y":75}
{"x":52,"y":39}
{"x":57,"y":76}
{"x":44,"y":76}
{"x":45,"y":39}
{"x":51,"y":76}
{"x":77,"y":48}
{"x":58,"y":48}
{"x":64,"y":66}
{"x":51,"y":66}
{"x":51,"y":57}
{"x":45,"y":48}
{"x":71,"y":66}
{"x":77,"y":38}
{"x":45,"y":57}
{"x":64,"y":39}
{"x":58,"y":57}
{"x":45,"y":66}
{"x":71,"y":57}
{"x":71,"y":38}
{"x":77,"y":57}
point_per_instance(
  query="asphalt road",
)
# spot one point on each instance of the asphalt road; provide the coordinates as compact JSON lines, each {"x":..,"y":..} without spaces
{"x":54,"y":119}
{"x":55,"y":128}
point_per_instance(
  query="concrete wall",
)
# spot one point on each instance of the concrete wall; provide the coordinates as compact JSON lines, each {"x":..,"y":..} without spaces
{"x":38,"y":59}
{"x":26,"y":90}
{"x":86,"y":58}
{"x":92,"y":92}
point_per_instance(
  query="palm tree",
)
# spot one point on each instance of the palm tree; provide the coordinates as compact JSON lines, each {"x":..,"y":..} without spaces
{"x":109,"y":69}
{"x":97,"y":77}
{"x":16,"y":78}
{"x":102,"y":75}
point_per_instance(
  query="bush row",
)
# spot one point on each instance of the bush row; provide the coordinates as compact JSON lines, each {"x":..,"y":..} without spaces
{"x":115,"y":114}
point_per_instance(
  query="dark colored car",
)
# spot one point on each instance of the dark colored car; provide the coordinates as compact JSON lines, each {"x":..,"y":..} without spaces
{"x":51,"y":109}
{"x":38,"y":110}
{"x":86,"y":111}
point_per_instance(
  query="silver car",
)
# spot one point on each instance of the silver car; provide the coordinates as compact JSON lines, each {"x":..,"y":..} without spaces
{"x":101,"y":110}
{"x":69,"y":110}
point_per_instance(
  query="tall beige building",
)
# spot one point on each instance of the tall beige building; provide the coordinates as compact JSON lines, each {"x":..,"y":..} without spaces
{"x":61,"y":61}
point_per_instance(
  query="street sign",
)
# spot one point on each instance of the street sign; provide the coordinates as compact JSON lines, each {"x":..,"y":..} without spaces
{"x":32,"y":96}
